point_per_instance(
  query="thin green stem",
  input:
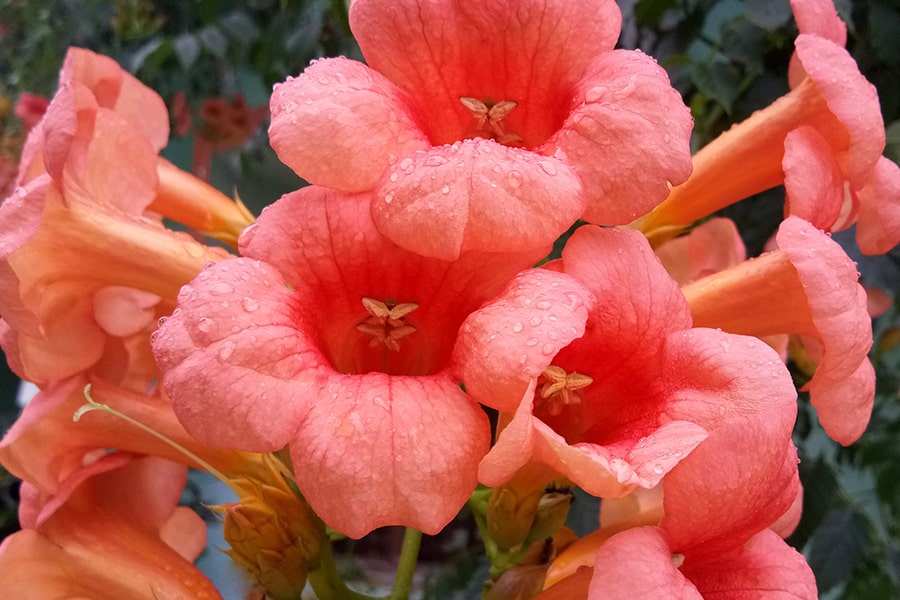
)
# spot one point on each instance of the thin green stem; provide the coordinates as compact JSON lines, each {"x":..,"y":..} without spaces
{"x":326,"y":582}
{"x":93,"y":405}
{"x":409,"y":554}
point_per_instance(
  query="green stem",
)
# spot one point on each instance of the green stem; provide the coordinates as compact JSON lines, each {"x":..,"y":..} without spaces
{"x":409,"y":554}
{"x":326,"y":582}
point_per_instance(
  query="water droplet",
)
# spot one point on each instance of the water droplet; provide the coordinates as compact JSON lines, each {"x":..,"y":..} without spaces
{"x":548,"y":349}
{"x":595,"y":93}
{"x":435,"y":161}
{"x":395,"y":176}
{"x":249,"y":304}
{"x":531,"y":342}
{"x":445,"y":190}
{"x":535,"y":321}
{"x":406,"y":164}
{"x":548,"y":168}
{"x":514,"y":178}
{"x":518,"y":327}
{"x":220,"y":288}
{"x":205,"y":325}
{"x":226,"y":350}
{"x":553,"y":318}
{"x":543,"y":304}
{"x":658,"y":469}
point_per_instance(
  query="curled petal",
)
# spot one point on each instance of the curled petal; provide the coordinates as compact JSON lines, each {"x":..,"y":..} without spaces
{"x":878,"y":227}
{"x":476,"y":195}
{"x":838,"y":310}
{"x":627,"y":137}
{"x":122,"y":311}
{"x":819,"y":17}
{"x":118,"y":90}
{"x":850,"y":97}
{"x":340,"y":124}
{"x":813,"y":180}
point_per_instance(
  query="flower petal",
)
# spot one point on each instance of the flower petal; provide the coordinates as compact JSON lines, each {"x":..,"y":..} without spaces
{"x":118,"y":90}
{"x":530,"y":52}
{"x":476,"y":195}
{"x":878,"y":225}
{"x":813,"y":181}
{"x":509,"y":342}
{"x":838,"y":310}
{"x":708,"y":248}
{"x":412,"y":444}
{"x":341,"y":124}
{"x":123,"y":311}
{"x":237,"y":368}
{"x":850,"y":97}
{"x":766,"y":568}
{"x":820,"y":18}
{"x":627,"y":137}
{"x":637,"y":565}
{"x":737,"y":389}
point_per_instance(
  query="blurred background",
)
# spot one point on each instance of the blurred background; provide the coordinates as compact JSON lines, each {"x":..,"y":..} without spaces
{"x":214,"y":62}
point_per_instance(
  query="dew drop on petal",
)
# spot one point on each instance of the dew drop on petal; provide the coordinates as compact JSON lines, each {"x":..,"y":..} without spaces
{"x":515,"y":179}
{"x":226,"y":350}
{"x":531,"y":342}
{"x":518,"y":327}
{"x":445,"y":190}
{"x":389,"y":197}
{"x":249,"y":304}
{"x":548,"y":168}
{"x":205,"y":324}
{"x":548,"y":349}
{"x":221,"y":288}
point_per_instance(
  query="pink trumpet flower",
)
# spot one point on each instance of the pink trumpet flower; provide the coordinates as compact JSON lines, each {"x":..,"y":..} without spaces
{"x":823,"y":141}
{"x":807,"y":287}
{"x":611,"y":387}
{"x":333,"y":340}
{"x":462,"y":154}
{"x":119,"y":535}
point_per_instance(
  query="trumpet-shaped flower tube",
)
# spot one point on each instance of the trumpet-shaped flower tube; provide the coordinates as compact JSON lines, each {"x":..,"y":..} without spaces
{"x":823,"y":141}
{"x":612,"y":388}
{"x":119,"y":535}
{"x":461,"y":154}
{"x":807,"y":287}
{"x":335,"y":341}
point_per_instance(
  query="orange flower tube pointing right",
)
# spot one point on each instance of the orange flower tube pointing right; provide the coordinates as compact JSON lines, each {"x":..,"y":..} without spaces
{"x":191,"y":201}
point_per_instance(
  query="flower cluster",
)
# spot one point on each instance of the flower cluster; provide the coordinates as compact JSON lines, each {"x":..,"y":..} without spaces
{"x":380,"y":348}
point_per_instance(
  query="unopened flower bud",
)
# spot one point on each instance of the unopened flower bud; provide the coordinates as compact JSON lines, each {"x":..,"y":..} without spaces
{"x":273,"y":535}
{"x":510,"y":514}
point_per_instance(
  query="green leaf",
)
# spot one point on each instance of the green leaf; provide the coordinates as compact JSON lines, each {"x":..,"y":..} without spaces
{"x":884,"y":31}
{"x":837,"y":547}
{"x":768,"y":14}
{"x":717,"y":79}
{"x":187,"y":49}
{"x":649,"y":12}
{"x":240,"y":27}
{"x":214,"y":40}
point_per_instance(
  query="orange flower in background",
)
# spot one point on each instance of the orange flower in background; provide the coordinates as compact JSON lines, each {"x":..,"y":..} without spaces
{"x":119,"y":535}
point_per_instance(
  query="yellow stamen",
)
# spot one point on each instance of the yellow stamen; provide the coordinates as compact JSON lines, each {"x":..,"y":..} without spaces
{"x":490,"y":115}
{"x":386,"y":322}
{"x":559,"y":389}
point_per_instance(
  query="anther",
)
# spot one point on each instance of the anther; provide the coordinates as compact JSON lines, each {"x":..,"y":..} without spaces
{"x":559,"y":389}
{"x":386,"y":322}
{"x":490,"y":114}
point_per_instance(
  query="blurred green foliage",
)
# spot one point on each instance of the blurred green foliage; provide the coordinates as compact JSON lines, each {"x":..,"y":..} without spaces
{"x":727,"y":57}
